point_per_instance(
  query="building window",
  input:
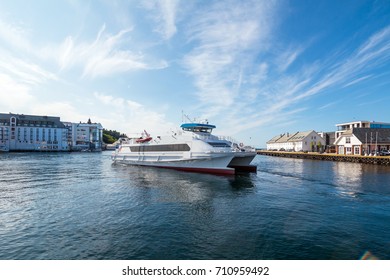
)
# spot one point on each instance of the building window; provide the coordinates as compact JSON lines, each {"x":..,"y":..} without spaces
{"x":357,"y":150}
{"x":348,"y":140}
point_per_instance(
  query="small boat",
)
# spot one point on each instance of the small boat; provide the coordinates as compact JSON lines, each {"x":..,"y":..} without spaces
{"x":192,"y":148}
{"x":4,"y":149}
{"x":144,"y":140}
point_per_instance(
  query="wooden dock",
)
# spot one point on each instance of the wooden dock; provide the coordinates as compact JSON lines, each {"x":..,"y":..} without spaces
{"x":379,"y":160}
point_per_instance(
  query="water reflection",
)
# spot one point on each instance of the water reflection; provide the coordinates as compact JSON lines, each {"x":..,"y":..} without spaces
{"x":80,"y":206}
{"x":178,"y":186}
{"x":242,"y":181}
{"x":355,"y":178}
{"x":348,"y":177}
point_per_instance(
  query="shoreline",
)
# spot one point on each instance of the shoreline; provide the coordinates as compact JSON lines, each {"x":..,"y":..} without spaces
{"x":378,"y":160}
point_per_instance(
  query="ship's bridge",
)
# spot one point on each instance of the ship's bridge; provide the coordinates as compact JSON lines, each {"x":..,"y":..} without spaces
{"x":198,"y":127}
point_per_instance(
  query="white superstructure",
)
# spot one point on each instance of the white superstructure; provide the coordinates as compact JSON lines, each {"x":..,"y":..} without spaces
{"x":193,"y":148}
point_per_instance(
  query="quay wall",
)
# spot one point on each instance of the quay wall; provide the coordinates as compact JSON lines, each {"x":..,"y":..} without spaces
{"x":380,"y":160}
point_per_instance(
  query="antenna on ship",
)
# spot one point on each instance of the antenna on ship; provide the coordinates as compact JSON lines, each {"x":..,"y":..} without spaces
{"x":188,"y":118}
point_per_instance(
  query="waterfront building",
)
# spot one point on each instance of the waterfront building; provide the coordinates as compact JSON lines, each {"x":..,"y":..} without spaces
{"x":344,"y":127}
{"x":4,"y":141}
{"x":300,"y":141}
{"x":329,"y":138}
{"x":85,"y":136}
{"x":363,"y":141}
{"x":20,"y":132}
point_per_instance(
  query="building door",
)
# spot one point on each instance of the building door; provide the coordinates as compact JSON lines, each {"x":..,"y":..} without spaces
{"x":356,"y":150}
{"x":341,"y":150}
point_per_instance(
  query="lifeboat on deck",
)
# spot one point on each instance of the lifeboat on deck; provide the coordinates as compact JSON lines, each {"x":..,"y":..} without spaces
{"x":143,"y":140}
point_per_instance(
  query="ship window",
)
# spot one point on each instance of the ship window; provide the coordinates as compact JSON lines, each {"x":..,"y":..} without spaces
{"x":198,"y":129}
{"x":161,"y":148}
{"x":219,"y":144}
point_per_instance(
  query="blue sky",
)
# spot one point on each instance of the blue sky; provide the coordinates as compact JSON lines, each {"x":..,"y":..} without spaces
{"x":255,"y":69}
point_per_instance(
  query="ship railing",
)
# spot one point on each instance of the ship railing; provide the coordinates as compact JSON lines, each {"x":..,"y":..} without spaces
{"x":218,"y":137}
{"x":228,"y":138}
{"x":206,"y":137}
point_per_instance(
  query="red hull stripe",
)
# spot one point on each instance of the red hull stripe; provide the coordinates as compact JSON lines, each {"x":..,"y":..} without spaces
{"x":200,"y":170}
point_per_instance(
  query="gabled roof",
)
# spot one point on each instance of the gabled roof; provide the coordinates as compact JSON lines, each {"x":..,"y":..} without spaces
{"x":293,"y":137}
{"x":274,"y":139}
{"x":284,"y":138}
{"x":299,"y":136}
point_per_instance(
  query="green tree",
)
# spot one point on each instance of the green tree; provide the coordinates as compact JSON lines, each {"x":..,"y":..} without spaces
{"x":319,"y":146}
{"x":110,"y":136}
{"x":108,"y":139}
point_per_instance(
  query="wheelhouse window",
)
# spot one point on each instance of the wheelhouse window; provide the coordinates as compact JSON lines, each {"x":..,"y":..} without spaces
{"x":198,"y":129}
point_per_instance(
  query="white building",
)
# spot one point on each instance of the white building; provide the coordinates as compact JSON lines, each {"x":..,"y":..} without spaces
{"x":32,"y":133}
{"x":85,"y":136}
{"x":344,"y":127}
{"x":299,"y":141}
{"x":363,"y":141}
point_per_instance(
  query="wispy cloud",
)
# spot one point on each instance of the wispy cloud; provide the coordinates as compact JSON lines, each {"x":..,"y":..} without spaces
{"x":227,"y":35}
{"x":132,"y":116}
{"x":105,"y":56}
{"x":13,"y":95}
{"x":375,"y":51}
{"x":14,"y":35}
{"x":164,"y":14}
{"x":358,"y":80}
{"x":330,"y":104}
{"x":17,"y":80}
{"x":23,"y":71}
{"x":287,"y":58}
{"x":233,"y":72}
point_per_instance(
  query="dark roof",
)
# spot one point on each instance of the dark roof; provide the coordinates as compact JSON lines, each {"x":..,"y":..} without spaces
{"x":32,"y":120}
{"x":371,"y":134}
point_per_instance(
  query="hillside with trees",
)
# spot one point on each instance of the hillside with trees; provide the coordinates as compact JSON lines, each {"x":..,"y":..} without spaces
{"x":110,"y":136}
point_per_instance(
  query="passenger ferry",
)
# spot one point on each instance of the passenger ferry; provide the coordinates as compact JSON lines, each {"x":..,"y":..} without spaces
{"x":192,"y":148}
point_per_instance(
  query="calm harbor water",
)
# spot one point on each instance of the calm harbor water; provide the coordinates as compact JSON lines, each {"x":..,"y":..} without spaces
{"x":80,"y":206}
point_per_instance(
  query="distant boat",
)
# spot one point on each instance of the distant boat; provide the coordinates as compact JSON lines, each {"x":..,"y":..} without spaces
{"x":4,"y":149}
{"x":116,"y":144}
{"x":191,"y":148}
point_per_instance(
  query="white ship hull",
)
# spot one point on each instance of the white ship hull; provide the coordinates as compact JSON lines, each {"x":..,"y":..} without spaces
{"x":192,"y":149}
{"x":200,"y":163}
{"x":242,"y":161}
